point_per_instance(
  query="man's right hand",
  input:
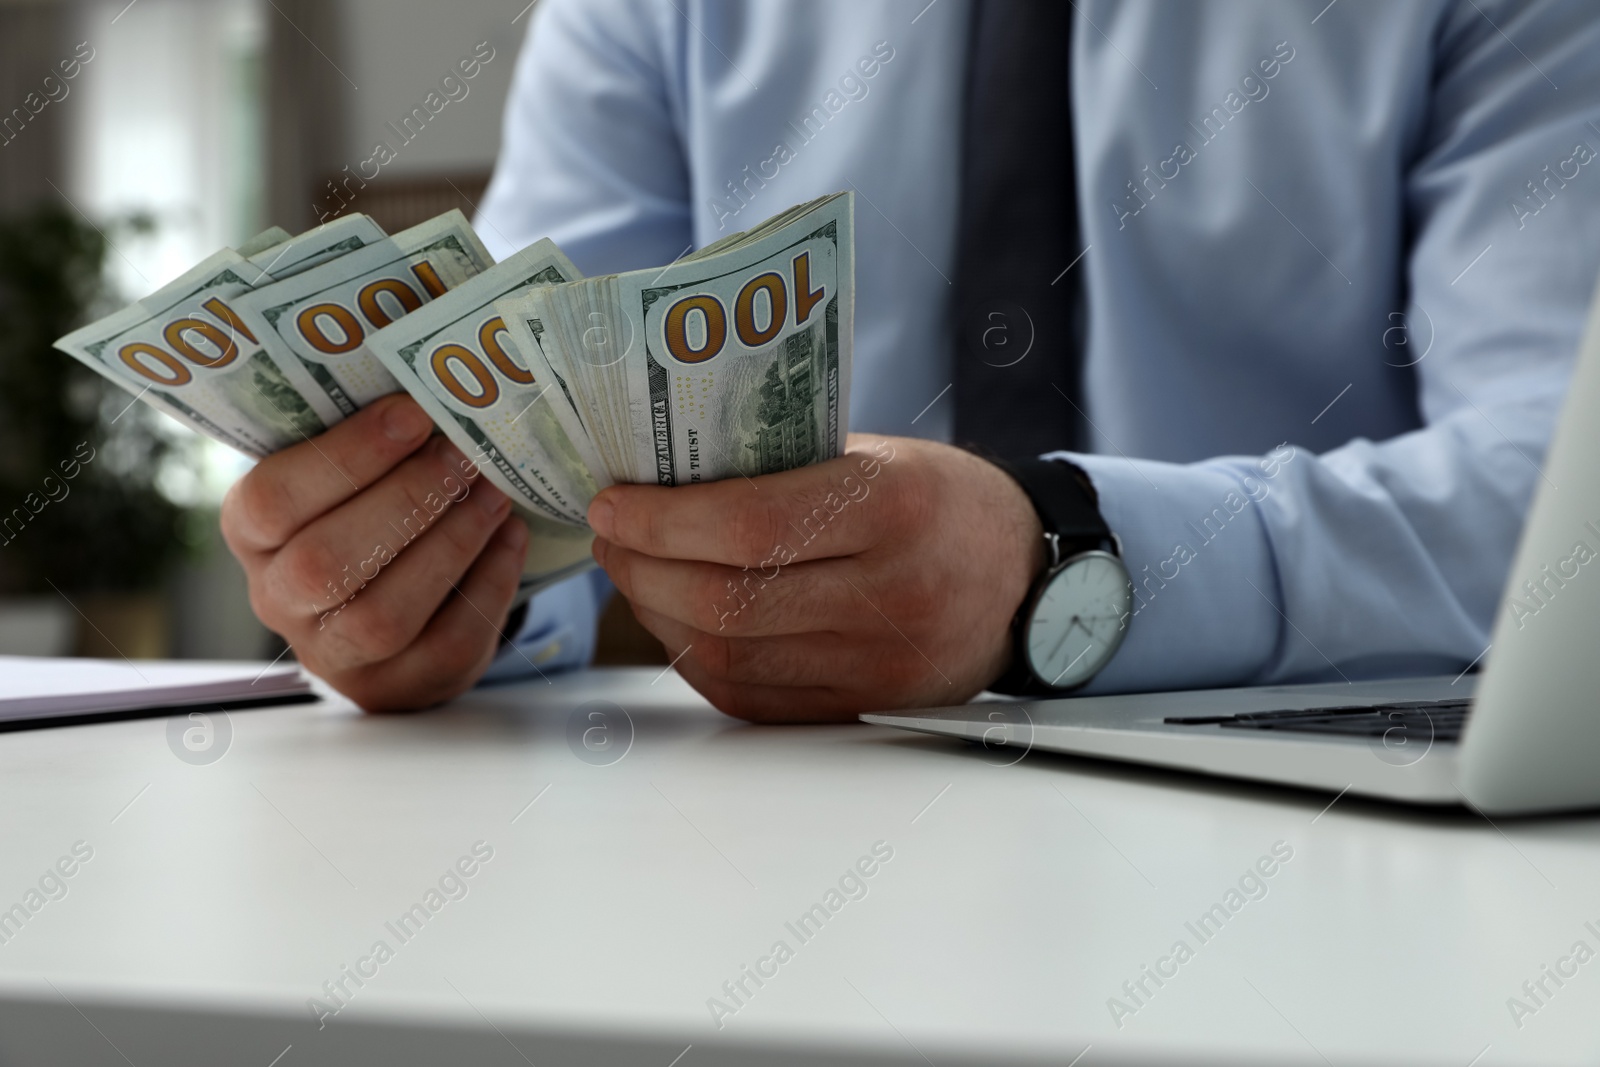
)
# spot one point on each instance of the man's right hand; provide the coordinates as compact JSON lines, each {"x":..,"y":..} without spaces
{"x":378,"y":553}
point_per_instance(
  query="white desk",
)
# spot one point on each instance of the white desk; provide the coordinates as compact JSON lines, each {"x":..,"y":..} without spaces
{"x":220,"y":897}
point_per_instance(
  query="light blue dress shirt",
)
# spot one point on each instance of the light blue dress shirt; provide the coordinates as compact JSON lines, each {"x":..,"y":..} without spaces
{"x":1338,"y":258}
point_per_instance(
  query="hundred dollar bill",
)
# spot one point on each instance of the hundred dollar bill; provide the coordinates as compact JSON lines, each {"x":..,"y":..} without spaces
{"x":733,"y":361}
{"x":456,"y":357}
{"x":185,"y":351}
{"x":323,"y":317}
{"x":267,"y":238}
{"x":527,"y":334}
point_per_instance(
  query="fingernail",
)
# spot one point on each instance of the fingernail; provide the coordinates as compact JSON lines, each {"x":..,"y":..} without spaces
{"x":406,"y":421}
{"x":603,"y":517}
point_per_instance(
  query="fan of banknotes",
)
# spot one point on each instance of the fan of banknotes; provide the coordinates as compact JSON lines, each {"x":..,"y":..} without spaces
{"x":732,"y":361}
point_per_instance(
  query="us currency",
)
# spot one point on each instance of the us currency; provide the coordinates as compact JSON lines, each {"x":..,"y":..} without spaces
{"x":733,"y":361}
{"x":323,"y":317}
{"x":267,"y":238}
{"x":185,"y":350}
{"x":455,"y":356}
{"x":527,"y":333}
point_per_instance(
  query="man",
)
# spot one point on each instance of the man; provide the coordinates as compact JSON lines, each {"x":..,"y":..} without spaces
{"x":1334,"y":260}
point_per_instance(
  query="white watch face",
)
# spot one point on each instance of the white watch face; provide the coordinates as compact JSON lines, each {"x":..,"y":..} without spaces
{"x":1079,"y":619}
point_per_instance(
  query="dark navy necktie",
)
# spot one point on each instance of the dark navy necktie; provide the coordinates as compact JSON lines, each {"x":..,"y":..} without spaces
{"x":1019,"y":312}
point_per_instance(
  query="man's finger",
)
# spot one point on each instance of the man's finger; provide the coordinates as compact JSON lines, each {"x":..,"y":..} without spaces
{"x":815,"y":659}
{"x":393,"y":601}
{"x":802,"y":598}
{"x":327,"y":558}
{"x":288,"y":489}
{"x":774,"y":703}
{"x":460,"y":640}
{"x":836,"y":508}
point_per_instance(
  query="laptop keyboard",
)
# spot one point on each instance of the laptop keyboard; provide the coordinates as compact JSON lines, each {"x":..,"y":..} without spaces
{"x":1440,"y":720}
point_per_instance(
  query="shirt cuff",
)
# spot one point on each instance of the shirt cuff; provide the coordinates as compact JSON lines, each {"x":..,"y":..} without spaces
{"x":1203,"y":575}
{"x":557,"y":633}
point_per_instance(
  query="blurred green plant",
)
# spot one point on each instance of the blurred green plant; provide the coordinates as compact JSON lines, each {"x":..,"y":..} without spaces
{"x":108,"y":529}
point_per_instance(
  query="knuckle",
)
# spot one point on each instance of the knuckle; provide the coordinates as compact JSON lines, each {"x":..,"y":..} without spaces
{"x":378,"y":633}
{"x":753,"y":530}
{"x":804,"y":598}
{"x":745,"y":604}
{"x":463,"y":538}
{"x":415,"y":495}
{"x":258,"y":508}
{"x":360,"y":444}
{"x":304,"y":571}
{"x":266,"y":608}
{"x":757,"y":661}
{"x":363,"y":635}
{"x":503,"y":567}
{"x":460,"y":649}
{"x":713,"y":655}
{"x":719,"y":607}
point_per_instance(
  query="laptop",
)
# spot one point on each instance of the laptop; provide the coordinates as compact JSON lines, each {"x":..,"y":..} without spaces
{"x":1522,"y":736}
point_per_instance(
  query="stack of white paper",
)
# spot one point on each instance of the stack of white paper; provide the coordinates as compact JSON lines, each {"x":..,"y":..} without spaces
{"x":35,"y":688}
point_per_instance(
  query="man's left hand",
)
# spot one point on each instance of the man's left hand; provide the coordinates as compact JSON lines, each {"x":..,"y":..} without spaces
{"x":885,"y":578}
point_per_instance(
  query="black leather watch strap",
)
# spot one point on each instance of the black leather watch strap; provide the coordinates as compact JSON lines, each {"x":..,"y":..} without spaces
{"x":1068,"y":507}
{"x":1064,"y":498}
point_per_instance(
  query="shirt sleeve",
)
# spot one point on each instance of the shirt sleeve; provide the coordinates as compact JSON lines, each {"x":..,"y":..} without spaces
{"x":1389,"y":557}
{"x":557,"y":633}
{"x":592,"y":154}
{"x":591,"y":158}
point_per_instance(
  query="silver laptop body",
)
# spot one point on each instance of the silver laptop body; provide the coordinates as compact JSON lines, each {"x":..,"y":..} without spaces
{"x":1530,"y":740}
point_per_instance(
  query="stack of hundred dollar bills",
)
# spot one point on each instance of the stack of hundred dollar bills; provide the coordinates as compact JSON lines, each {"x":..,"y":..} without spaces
{"x":732,"y":361}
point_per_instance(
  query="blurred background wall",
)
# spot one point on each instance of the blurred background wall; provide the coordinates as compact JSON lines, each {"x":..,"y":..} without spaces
{"x":187,"y":125}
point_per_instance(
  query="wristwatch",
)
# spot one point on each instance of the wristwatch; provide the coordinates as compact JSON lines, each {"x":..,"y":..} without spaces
{"x":1076,"y":612}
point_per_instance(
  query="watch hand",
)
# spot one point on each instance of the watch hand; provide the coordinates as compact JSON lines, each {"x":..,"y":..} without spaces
{"x":1073,"y":664}
{"x":1065,"y":633}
